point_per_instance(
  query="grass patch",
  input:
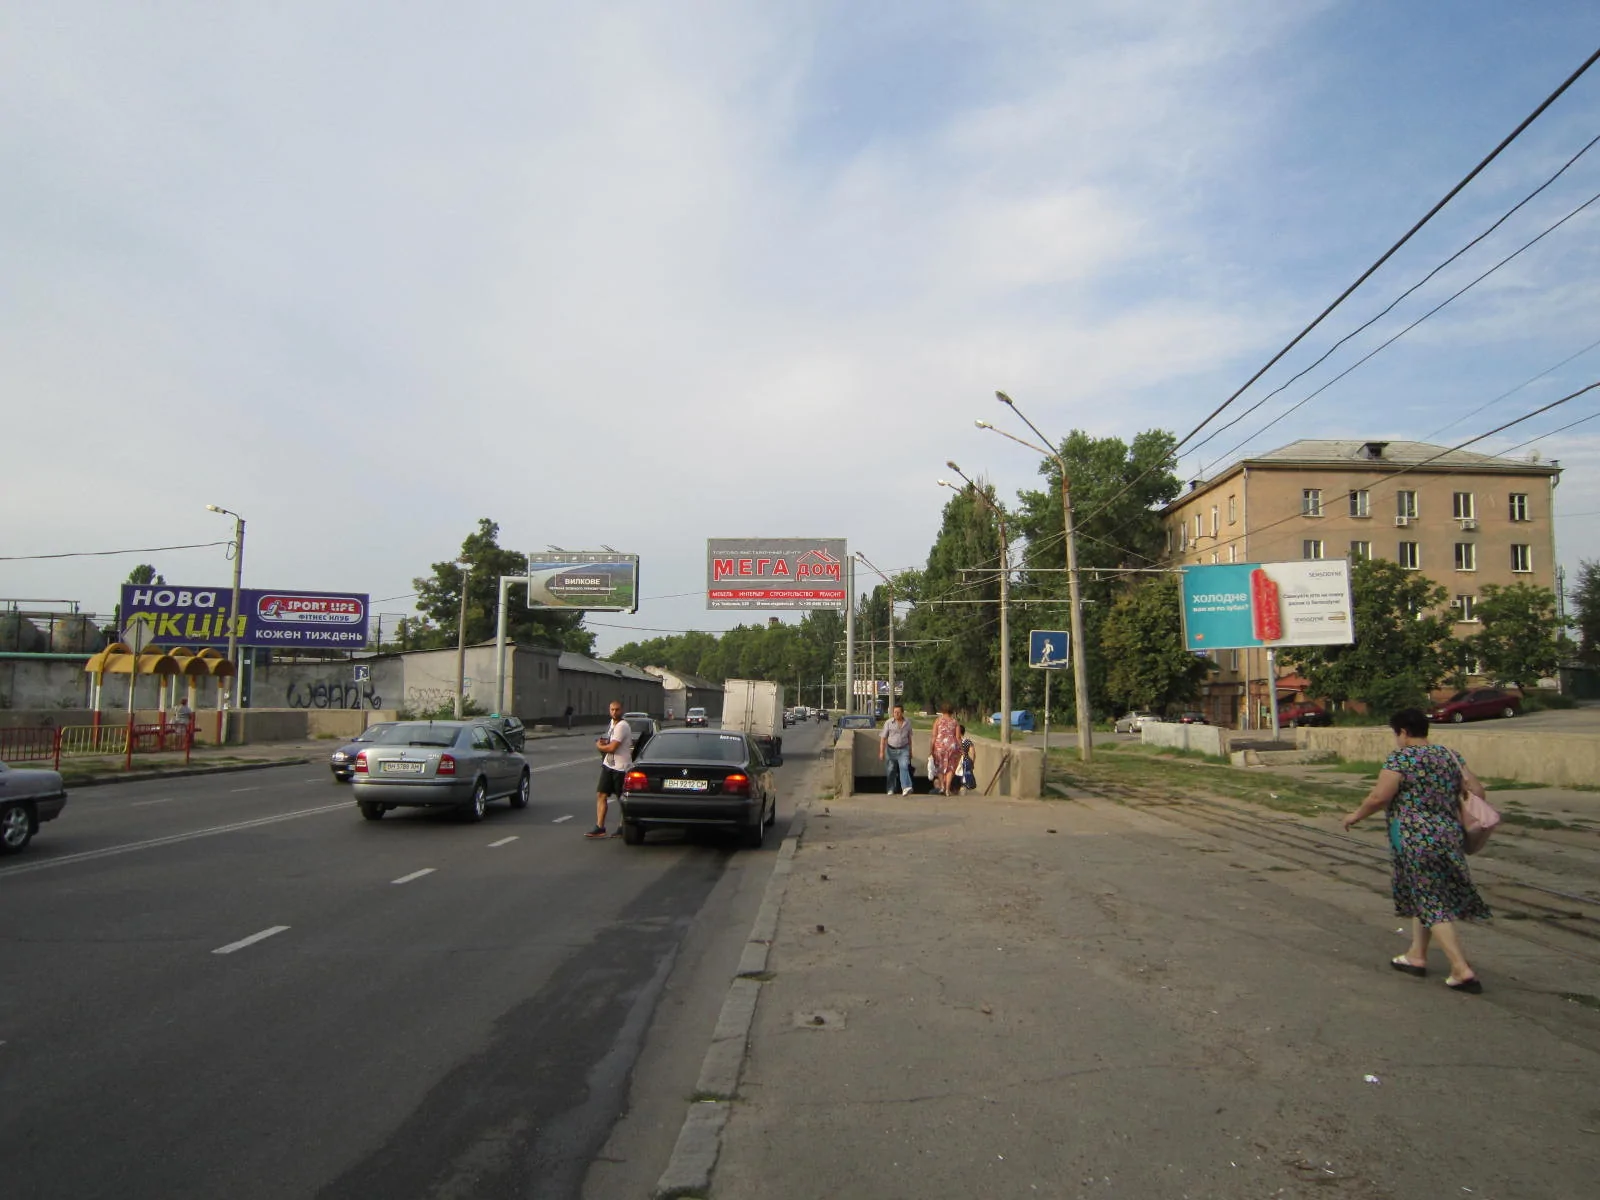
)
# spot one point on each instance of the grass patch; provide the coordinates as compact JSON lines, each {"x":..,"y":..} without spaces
{"x":1527,"y":822}
{"x":1173,"y":774}
{"x":1582,"y":998}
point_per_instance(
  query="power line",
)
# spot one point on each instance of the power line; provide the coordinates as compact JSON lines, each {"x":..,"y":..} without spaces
{"x":1513,"y":391}
{"x":111,"y":553}
{"x":1552,"y":433}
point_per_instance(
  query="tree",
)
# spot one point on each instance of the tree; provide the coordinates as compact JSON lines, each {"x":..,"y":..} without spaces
{"x":1403,"y":646}
{"x":143,"y":574}
{"x":439,"y":598}
{"x":1519,"y":641}
{"x":1586,"y":604}
{"x":1142,"y":641}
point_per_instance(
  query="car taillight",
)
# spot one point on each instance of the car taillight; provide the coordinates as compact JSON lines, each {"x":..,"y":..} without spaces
{"x":447,"y":765}
{"x":737,"y":784}
{"x":635,"y":781}
{"x":361,"y":763}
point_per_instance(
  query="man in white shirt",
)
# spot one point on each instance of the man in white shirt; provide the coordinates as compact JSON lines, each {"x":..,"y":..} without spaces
{"x":616,"y":747}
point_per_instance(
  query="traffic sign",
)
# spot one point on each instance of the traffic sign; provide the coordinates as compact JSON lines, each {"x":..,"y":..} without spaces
{"x":363,"y":672}
{"x":1050,"y":649}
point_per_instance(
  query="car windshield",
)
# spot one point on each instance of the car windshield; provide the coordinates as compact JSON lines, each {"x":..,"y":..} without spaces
{"x":372,"y":732}
{"x":418,"y":735}
{"x":1458,"y":696}
{"x":697,"y":712}
{"x":678,"y":745}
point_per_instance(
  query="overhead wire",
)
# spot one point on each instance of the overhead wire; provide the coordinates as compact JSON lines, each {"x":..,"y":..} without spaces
{"x":111,"y":553}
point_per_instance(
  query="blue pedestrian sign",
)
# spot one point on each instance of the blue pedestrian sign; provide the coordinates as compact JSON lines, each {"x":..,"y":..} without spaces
{"x":1050,"y":649}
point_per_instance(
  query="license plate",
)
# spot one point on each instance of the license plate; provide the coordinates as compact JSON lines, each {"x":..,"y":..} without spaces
{"x":683,"y":785}
{"x":402,"y":768}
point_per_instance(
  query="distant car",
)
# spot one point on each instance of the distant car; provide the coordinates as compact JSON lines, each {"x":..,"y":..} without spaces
{"x":853,"y":721}
{"x":28,"y":798}
{"x":1021,"y":719}
{"x":706,"y":778}
{"x":343,"y":760}
{"x":515,"y":734}
{"x":1474,"y":703}
{"x":1193,"y":718}
{"x":1303,"y":713}
{"x":695,"y":717}
{"x":1135,"y":721}
{"x":439,"y":764}
{"x":644,"y":728}
{"x":821,"y":714}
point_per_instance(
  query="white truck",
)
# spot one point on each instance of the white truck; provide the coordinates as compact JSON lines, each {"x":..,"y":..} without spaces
{"x":755,"y":707}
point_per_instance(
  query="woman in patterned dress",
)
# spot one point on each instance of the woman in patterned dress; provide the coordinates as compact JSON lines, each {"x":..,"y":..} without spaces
{"x":1420,"y":785}
{"x":946,"y":748}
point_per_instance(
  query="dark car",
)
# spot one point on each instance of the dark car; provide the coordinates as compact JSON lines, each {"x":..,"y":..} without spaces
{"x":1474,"y":703}
{"x":28,"y":798}
{"x":693,"y":777}
{"x":343,"y":760}
{"x":515,"y":734}
{"x":821,"y":714}
{"x":853,"y":721}
{"x":644,"y":728}
{"x":1193,"y":718}
{"x":1304,"y":712}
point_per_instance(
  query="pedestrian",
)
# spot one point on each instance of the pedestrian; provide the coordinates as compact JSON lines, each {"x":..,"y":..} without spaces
{"x":183,"y":719}
{"x":569,"y":717}
{"x":894,"y":751}
{"x":616,"y":750}
{"x":1421,"y":786}
{"x":946,"y":747}
{"x":966,"y":778}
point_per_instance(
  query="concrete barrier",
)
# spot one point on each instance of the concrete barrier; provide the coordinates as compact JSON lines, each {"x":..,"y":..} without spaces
{"x":1208,"y":739}
{"x":1021,"y":775}
{"x":1556,"y":759}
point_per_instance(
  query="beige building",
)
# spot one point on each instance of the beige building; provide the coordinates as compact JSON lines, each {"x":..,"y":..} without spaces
{"x":1460,"y":518}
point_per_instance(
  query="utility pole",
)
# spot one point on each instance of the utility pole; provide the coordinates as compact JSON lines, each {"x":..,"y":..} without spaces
{"x":1005,"y":600}
{"x":461,"y":636}
{"x":850,"y":636}
{"x":889,"y":584}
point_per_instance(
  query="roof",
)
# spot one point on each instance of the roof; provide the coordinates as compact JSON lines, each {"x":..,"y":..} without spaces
{"x":692,"y":682}
{"x":1339,"y":451}
{"x":573,"y":661}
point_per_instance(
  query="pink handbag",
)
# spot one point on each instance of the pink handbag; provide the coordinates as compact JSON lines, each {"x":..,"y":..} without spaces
{"x":1478,"y":819}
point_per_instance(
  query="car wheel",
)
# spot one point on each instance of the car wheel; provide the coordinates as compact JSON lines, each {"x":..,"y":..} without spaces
{"x":371,"y":809}
{"x":519,"y":798}
{"x":474,"y":808}
{"x":1508,"y":711}
{"x":632,"y":833}
{"x":1458,"y":717}
{"x":16,"y":827}
{"x":753,"y":836}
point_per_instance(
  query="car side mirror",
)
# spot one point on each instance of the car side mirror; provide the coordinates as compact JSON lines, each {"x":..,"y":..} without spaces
{"x":775,"y":761}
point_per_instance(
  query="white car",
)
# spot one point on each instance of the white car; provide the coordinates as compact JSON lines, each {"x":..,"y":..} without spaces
{"x":1135,"y":721}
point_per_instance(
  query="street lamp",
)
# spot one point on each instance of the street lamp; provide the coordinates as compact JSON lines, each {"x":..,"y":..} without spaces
{"x":233,"y":607}
{"x":461,"y":635}
{"x":1080,"y":672}
{"x":1005,"y":600}
{"x":888,"y":583}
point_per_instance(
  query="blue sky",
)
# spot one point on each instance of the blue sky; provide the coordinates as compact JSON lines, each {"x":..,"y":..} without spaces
{"x":648,"y":273}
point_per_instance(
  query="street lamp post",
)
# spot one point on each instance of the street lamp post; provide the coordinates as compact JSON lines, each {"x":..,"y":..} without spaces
{"x":233,"y":606}
{"x":1080,"y":672}
{"x":888,"y":583}
{"x":1005,"y":600}
{"x":461,"y":636}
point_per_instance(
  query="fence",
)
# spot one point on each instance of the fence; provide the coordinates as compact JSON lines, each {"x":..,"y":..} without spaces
{"x":52,"y":745}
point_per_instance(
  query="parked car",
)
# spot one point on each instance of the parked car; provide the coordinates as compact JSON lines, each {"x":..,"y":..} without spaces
{"x":1305,"y":712}
{"x":1193,"y":718}
{"x":695,"y":717}
{"x":1135,"y":721}
{"x":515,"y":734}
{"x":853,"y":721}
{"x":705,"y":778}
{"x":28,"y":798}
{"x":644,"y":728}
{"x":788,"y":717}
{"x":343,"y":760}
{"x":1474,"y":703}
{"x":1021,"y":719}
{"x":821,"y":714}
{"x":439,"y":764}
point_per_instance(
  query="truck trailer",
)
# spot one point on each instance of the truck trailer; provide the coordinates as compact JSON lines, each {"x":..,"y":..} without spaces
{"x":755,"y":707}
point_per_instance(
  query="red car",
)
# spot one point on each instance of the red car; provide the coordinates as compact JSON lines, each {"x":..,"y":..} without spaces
{"x":1305,"y":712}
{"x":1477,"y":702}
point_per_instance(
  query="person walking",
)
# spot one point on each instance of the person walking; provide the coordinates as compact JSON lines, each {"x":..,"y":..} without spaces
{"x":568,"y":715}
{"x":946,"y":747}
{"x":616,"y":749}
{"x":1421,"y":786}
{"x":894,"y":750}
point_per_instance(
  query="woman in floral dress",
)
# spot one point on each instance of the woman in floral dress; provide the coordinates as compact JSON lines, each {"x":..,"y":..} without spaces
{"x":1420,"y":785}
{"x":946,"y":748}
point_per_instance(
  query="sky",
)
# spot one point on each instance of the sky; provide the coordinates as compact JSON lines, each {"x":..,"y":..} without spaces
{"x":646,"y":273}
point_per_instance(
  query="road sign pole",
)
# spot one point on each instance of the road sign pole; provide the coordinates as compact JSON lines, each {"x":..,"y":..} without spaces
{"x":1047,"y":720}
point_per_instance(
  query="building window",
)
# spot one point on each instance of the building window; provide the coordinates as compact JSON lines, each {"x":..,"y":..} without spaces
{"x":1233,"y":510}
{"x":1360,"y":503}
{"x":1183,"y":535}
{"x":1466,"y":556}
{"x":1409,"y":557}
{"x":1216,"y":521}
{"x":1465,"y":606}
{"x":1519,"y":506}
{"x":1214,"y":556}
{"x":1169,"y":540}
{"x":1311,"y":548}
{"x":1360,"y":551}
{"x":1521,"y":558}
{"x":1197,"y":527}
{"x":1311,"y":502}
{"x":1405,"y":505}
{"x":1462,"y":507}
{"x":1233,"y":660}
{"x":1233,"y":554}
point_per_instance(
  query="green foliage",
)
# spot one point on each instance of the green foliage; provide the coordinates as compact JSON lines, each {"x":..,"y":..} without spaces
{"x":786,"y":653}
{"x":1586,"y":610}
{"x":1519,"y":639}
{"x":439,"y":598}
{"x":145,"y":574}
{"x":1539,"y":699}
{"x":441,"y":712}
{"x":1403,"y":647}
{"x":1142,"y":641}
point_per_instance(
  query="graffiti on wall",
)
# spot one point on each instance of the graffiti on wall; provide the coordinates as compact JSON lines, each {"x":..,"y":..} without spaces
{"x":426,"y":699}
{"x":332,"y":693}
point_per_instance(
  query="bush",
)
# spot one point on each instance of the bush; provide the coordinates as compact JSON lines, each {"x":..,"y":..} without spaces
{"x":1539,"y":699}
{"x":442,"y":712}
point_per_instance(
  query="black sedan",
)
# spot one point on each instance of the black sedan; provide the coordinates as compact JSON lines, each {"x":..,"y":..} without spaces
{"x":699,"y":777}
{"x":507,"y":727}
{"x":343,"y":760}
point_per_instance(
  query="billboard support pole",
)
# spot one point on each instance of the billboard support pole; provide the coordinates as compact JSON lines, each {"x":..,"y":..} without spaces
{"x":500,"y":647}
{"x":850,"y":636}
{"x":1272,"y":688}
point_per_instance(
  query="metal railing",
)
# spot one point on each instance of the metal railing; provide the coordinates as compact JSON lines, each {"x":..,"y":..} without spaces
{"x":51,"y":745}
{"x":28,"y":745}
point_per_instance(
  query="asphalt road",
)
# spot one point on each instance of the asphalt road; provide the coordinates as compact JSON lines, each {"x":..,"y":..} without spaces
{"x":234,"y":986}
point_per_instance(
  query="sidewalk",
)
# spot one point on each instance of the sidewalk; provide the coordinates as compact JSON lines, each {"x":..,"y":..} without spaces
{"x":1073,"y":998}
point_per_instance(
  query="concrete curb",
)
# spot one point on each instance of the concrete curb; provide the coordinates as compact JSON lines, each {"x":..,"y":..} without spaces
{"x":689,"y":1170}
{"x":184,"y":772}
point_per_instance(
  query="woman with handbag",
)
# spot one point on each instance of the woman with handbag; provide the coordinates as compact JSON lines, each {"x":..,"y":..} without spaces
{"x":1421,"y":786}
{"x":946,"y":743}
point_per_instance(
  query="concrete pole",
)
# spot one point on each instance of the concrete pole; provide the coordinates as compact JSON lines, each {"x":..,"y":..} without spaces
{"x":500,"y":646}
{"x":461,"y":638}
{"x":1080,"y":651}
{"x":1272,"y":688}
{"x":1005,"y":630}
{"x":850,"y":635}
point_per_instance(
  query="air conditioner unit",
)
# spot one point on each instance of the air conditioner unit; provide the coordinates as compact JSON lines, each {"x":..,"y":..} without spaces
{"x":1468,"y":523}
{"x":1402,"y":521}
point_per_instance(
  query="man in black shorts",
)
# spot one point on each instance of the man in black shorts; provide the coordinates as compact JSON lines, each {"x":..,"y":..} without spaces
{"x":616,"y":747}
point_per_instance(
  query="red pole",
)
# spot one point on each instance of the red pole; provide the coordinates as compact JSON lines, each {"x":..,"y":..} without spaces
{"x":58,"y":750}
{"x":188,"y":741}
{"x":127,"y":758}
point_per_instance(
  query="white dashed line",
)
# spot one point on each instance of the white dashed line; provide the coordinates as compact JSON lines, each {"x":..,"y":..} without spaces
{"x":248,"y":789}
{"x":251,"y":940}
{"x":503,"y":841}
{"x":558,"y":820}
{"x":414,"y":875}
{"x":556,"y":766}
{"x":147,"y":803}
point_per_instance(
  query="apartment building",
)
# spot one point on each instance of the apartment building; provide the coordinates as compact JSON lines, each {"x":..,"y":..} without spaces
{"x":1460,"y":518}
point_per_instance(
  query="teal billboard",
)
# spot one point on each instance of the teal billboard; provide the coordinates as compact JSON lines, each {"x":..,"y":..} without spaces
{"x":1238,"y":606}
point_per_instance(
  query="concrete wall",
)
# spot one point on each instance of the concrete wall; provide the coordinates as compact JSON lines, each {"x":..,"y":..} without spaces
{"x":1208,"y":739}
{"x":1022,"y":776}
{"x":43,"y":683}
{"x":1556,"y":759}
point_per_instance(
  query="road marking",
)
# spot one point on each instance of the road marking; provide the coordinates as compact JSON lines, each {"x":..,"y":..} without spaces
{"x":170,"y":840}
{"x":556,"y":766}
{"x":251,"y":940}
{"x":415,"y":875}
{"x":146,"y":803}
{"x":558,"y":820}
{"x":504,"y":841}
{"x":248,"y":789}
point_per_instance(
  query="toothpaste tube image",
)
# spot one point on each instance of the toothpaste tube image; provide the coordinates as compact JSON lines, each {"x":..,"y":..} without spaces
{"x":1266,"y":613}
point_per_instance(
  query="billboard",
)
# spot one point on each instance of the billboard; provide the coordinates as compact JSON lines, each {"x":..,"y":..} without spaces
{"x":592,"y":580}
{"x":198,"y":616}
{"x":1237,"y":606}
{"x":775,"y":573}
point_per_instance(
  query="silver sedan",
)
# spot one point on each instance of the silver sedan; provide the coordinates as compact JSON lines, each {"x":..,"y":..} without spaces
{"x":27,"y":798}
{"x":439,"y":764}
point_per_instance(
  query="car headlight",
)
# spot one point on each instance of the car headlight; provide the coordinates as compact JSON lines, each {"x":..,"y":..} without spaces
{"x":339,"y":756}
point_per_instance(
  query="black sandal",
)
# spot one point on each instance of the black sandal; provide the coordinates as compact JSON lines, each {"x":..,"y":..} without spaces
{"x":598,"y":832}
{"x":1471,"y":986}
{"x":1401,"y":963}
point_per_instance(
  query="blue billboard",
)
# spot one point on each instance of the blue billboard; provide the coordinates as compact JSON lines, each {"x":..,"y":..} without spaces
{"x":198,"y":616}
{"x":1237,"y":606}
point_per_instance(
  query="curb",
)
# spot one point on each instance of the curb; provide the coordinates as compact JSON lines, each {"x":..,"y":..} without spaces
{"x":688,"y":1172}
{"x":183,"y":772}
